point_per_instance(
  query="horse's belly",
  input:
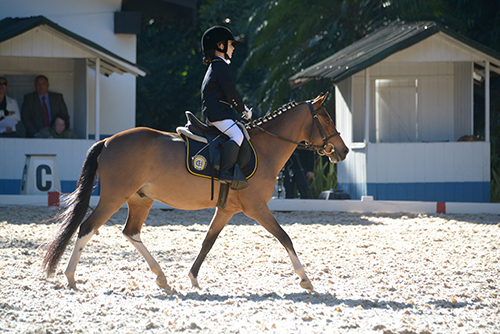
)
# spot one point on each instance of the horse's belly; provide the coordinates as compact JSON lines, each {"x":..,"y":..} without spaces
{"x":185,"y":192}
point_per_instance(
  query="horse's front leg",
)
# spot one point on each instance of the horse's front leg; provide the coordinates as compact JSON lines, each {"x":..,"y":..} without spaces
{"x":265,"y":218}
{"x":218,"y":222}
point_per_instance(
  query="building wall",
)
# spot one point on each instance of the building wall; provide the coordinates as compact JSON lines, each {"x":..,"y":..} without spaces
{"x":439,"y":108}
{"x":351,"y":173}
{"x":443,"y":172}
{"x":68,"y":74}
{"x":70,"y":155}
{"x":94,"y":20}
{"x":433,"y":167}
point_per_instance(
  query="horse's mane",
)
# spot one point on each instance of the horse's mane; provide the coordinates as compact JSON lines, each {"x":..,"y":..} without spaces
{"x":271,"y":116}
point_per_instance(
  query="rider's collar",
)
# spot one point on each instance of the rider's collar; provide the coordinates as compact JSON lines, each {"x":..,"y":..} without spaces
{"x":228,"y":61}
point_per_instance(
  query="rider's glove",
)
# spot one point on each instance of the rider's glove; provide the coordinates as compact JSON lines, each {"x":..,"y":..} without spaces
{"x":247,"y":114}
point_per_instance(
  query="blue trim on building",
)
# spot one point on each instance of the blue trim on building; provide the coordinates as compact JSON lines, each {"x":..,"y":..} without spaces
{"x":10,"y":187}
{"x":13,"y":187}
{"x":431,"y":191}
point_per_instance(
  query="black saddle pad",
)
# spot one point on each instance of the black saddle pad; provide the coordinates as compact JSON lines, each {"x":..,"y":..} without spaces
{"x":198,"y":160}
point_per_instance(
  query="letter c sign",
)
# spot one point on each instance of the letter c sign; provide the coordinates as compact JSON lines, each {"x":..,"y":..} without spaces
{"x":43,"y":183}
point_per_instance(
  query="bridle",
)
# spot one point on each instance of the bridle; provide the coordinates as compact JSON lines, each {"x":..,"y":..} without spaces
{"x":309,"y":145}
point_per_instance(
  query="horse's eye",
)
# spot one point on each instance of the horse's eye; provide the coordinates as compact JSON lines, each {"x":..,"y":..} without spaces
{"x":327,"y":122}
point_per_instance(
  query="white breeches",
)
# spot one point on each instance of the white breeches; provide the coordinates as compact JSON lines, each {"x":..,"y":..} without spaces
{"x":231,"y":129}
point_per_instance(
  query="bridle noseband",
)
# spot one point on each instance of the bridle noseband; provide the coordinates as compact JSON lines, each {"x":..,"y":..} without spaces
{"x":309,"y":145}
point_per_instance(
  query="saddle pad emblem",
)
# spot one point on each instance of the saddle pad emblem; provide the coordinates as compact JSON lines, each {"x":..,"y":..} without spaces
{"x":199,"y":162}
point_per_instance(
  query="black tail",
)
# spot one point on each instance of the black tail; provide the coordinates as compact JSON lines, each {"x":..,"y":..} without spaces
{"x":76,"y":207}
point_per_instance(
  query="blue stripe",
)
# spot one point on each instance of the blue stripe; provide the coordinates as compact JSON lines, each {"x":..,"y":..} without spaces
{"x":13,"y":187}
{"x":10,"y":187}
{"x":432,"y":191}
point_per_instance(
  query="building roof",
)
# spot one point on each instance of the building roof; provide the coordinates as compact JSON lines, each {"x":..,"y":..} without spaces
{"x":13,"y":27}
{"x":377,"y":46}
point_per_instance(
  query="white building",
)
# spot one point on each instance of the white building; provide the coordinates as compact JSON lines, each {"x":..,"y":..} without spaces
{"x":404,"y":96}
{"x":66,"y":40}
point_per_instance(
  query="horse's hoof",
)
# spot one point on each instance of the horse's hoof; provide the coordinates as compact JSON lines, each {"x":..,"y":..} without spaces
{"x":72,"y":285}
{"x":162,"y":283}
{"x":71,"y":281}
{"x":194,"y":281}
{"x":306,"y":284}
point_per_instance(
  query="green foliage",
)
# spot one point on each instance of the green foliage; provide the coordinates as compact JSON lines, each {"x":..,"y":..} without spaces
{"x":495,"y":181}
{"x":169,"y":50}
{"x":325,"y":176}
{"x":286,"y":36}
{"x":495,"y":153}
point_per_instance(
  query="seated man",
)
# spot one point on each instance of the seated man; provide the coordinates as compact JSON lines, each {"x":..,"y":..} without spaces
{"x":59,"y":128}
{"x":41,"y":106}
{"x":9,"y":112}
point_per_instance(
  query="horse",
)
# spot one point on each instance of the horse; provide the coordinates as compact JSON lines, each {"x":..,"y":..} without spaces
{"x":142,"y":165}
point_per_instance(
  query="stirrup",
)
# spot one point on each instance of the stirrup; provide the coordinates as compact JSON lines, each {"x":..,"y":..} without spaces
{"x":239,"y":182}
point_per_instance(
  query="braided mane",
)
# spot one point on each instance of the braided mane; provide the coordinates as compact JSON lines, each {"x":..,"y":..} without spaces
{"x":271,"y":116}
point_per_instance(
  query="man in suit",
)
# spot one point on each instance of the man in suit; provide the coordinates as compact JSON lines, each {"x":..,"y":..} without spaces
{"x":41,"y":106}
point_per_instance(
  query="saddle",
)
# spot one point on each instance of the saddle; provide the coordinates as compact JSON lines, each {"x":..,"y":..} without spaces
{"x":203,"y":148}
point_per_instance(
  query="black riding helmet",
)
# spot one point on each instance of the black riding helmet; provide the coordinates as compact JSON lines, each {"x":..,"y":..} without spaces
{"x":215,"y":35}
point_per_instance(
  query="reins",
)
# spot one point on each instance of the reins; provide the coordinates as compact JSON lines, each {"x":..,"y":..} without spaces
{"x":309,"y":145}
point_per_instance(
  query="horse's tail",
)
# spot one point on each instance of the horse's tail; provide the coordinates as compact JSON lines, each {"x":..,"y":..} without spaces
{"x":77,"y":204}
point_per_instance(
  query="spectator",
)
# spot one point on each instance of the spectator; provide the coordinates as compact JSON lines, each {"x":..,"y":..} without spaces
{"x":298,"y":170}
{"x":41,"y":106}
{"x":9,"y":112}
{"x":59,"y":128}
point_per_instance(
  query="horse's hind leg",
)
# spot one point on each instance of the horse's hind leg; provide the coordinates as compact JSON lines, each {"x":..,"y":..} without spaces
{"x":88,"y":228}
{"x":265,"y":218}
{"x":138,"y":209}
{"x":219,"y":220}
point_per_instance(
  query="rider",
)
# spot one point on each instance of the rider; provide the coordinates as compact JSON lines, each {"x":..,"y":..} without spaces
{"x":219,"y":96}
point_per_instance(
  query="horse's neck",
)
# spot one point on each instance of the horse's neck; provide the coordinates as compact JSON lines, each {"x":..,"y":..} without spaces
{"x":294,"y":125}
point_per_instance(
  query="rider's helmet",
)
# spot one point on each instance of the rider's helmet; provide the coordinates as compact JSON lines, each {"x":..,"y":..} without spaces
{"x":212,"y":38}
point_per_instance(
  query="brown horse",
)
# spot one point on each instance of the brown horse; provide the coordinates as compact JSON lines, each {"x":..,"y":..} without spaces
{"x":141,"y":165}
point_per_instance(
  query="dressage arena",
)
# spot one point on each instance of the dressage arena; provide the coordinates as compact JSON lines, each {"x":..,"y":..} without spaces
{"x":392,"y":273}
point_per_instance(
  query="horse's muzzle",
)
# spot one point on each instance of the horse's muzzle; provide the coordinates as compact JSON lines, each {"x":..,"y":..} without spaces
{"x":337,"y":155}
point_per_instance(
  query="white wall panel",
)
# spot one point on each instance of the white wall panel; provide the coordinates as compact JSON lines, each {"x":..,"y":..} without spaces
{"x":436,"y":48}
{"x":435,"y":109}
{"x":343,"y":105}
{"x":428,"y":162}
{"x":463,"y":99}
{"x":70,"y":155}
{"x":358,"y":107}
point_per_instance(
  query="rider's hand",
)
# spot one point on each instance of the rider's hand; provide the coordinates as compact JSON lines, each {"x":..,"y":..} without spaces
{"x":247,"y":114}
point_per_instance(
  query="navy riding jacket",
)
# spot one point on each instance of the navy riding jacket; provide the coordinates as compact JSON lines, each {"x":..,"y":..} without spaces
{"x":219,"y":97}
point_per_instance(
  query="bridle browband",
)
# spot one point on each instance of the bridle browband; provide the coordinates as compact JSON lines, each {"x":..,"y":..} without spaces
{"x":308,"y":145}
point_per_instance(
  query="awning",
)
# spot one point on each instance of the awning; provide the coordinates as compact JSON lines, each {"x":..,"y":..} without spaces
{"x":110,"y":63}
{"x":379,"y":45}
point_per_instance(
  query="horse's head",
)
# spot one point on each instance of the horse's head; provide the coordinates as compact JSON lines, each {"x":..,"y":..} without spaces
{"x":325,"y":138}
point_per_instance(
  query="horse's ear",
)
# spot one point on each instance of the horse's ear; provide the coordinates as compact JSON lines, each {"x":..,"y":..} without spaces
{"x":319,"y":100}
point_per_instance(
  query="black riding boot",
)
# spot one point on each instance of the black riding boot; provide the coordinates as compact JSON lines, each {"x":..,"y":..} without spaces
{"x":229,"y":156}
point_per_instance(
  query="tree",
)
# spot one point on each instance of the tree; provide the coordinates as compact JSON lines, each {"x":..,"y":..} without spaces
{"x":286,"y":36}
{"x":169,"y":50}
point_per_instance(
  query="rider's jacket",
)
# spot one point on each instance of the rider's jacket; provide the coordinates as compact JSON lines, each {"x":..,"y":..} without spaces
{"x":219,"y":97}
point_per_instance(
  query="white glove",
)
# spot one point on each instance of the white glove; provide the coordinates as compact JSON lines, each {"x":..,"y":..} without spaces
{"x":247,"y":114}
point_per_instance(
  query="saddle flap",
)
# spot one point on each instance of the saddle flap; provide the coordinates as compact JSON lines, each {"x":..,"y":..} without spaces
{"x":203,"y":160}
